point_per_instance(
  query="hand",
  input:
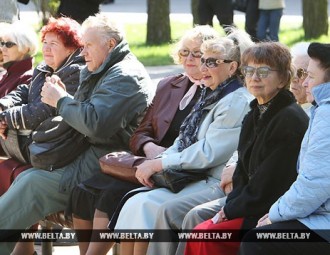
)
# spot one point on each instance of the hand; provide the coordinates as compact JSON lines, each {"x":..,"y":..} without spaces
{"x":3,"y":128}
{"x":219,"y":217}
{"x":53,"y":90}
{"x":145,"y":170}
{"x":264,"y":220}
{"x":226,"y":183}
{"x":152,"y":150}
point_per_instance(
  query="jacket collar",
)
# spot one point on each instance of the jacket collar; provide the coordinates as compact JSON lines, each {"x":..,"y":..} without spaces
{"x":321,"y":93}
{"x":74,"y":57}
{"x":19,"y":66}
{"x":281,"y":100}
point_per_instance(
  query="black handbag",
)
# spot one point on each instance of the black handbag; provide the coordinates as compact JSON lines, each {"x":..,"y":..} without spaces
{"x":239,"y":5}
{"x":176,"y":180}
{"x":56,"y":144}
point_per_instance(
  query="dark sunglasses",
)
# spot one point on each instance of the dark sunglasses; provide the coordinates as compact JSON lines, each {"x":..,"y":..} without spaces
{"x":185,"y":53}
{"x":301,"y":73}
{"x":7,"y":44}
{"x":261,"y":72}
{"x":213,"y":62}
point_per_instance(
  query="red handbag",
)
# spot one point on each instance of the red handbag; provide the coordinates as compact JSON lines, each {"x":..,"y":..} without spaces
{"x":9,"y":169}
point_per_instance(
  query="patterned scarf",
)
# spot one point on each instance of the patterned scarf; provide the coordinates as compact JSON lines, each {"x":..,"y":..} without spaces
{"x":190,"y":126}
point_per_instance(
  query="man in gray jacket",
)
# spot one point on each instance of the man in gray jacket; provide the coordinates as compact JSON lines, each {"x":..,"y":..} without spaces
{"x":114,"y":91}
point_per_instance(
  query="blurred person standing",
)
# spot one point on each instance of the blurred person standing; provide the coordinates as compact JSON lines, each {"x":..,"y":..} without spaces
{"x":270,"y":14}
{"x":78,"y":10}
{"x":223,"y":9}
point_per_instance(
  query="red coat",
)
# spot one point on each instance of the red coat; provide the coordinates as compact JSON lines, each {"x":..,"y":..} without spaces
{"x":19,"y":72}
{"x":160,"y":114}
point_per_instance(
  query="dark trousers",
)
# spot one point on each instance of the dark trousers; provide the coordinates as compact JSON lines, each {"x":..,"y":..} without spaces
{"x":251,"y":245}
{"x":251,"y":18}
{"x":221,"y":8}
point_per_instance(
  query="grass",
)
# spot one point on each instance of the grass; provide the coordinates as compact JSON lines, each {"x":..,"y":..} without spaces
{"x":159,"y":55}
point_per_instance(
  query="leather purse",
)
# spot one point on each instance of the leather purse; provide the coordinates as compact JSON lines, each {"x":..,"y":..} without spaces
{"x":121,"y":165}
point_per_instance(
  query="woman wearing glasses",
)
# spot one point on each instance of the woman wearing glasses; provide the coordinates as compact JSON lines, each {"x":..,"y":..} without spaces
{"x":305,"y":207}
{"x":207,"y":138}
{"x":18,"y":44}
{"x":267,"y":151}
{"x":300,"y":61}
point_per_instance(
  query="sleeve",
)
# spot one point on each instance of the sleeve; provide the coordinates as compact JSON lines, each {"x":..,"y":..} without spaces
{"x":27,"y":114}
{"x":117,"y":98}
{"x":219,"y":142}
{"x":145,"y":132}
{"x":252,"y":195}
{"x":312,"y":187}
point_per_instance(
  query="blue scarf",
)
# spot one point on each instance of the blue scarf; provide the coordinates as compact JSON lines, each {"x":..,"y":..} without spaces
{"x":191,"y":124}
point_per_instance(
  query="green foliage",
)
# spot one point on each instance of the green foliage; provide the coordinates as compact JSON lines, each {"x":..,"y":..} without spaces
{"x":160,"y":55}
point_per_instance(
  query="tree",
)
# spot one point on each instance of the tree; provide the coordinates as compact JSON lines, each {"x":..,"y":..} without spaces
{"x":158,"y":24}
{"x":194,"y":11}
{"x":46,"y":9}
{"x":315,"y":18}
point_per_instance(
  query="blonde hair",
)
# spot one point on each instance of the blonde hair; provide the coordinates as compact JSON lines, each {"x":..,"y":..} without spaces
{"x":199,"y":33}
{"x":230,"y":47}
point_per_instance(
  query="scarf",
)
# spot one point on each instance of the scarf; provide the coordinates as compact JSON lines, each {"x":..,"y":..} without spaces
{"x":191,"y":124}
{"x":190,"y":93}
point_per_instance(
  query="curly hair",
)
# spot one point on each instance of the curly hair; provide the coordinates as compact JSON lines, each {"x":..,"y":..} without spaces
{"x":67,"y":29}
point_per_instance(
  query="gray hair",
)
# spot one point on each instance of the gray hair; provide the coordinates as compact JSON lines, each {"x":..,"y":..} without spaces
{"x":199,"y":33}
{"x":23,"y":35}
{"x":230,"y":47}
{"x":299,"y":49}
{"x":107,"y":27}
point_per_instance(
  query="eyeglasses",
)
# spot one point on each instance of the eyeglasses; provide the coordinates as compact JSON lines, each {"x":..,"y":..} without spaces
{"x":7,"y":44}
{"x":262,"y":72}
{"x":301,"y":73}
{"x":185,"y":53}
{"x":213,"y":62}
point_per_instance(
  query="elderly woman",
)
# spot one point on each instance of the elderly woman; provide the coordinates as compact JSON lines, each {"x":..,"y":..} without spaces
{"x":94,"y":201}
{"x":304,"y":208}
{"x":268,"y":147}
{"x":207,"y":137}
{"x":22,"y":110}
{"x":300,"y":60}
{"x":18,"y":43}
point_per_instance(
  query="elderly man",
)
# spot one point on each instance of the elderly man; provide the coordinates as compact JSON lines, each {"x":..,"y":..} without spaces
{"x":114,"y":91}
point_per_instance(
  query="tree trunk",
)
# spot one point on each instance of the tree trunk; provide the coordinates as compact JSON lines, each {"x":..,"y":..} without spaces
{"x":194,"y":11}
{"x":158,"y":24}
{"x":315,"y":18}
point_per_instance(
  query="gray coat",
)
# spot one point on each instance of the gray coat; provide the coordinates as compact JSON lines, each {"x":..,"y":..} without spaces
{"x":106,"y":108}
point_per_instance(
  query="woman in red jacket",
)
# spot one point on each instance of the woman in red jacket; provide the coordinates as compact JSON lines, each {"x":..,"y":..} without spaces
{"x":18,"y":44}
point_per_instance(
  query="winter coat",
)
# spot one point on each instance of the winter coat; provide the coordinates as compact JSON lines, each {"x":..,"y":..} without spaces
{"x":106,"y":108}
{"x":17,"y":73}
{"x":160,"y":114}
{"x":308,"y":199}
{"x":23,"y":107}
{"x":267,"y":154}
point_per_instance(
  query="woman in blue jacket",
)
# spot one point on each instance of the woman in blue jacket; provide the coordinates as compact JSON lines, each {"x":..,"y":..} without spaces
{"x":305,"y":207}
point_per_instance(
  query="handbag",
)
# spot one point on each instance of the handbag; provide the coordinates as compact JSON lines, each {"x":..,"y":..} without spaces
{"x":121,"y":165}
{"x":175,"y":180}
{"x":9,"y":169}
{"x":56,"y":144}
{"x":239,"y":5}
